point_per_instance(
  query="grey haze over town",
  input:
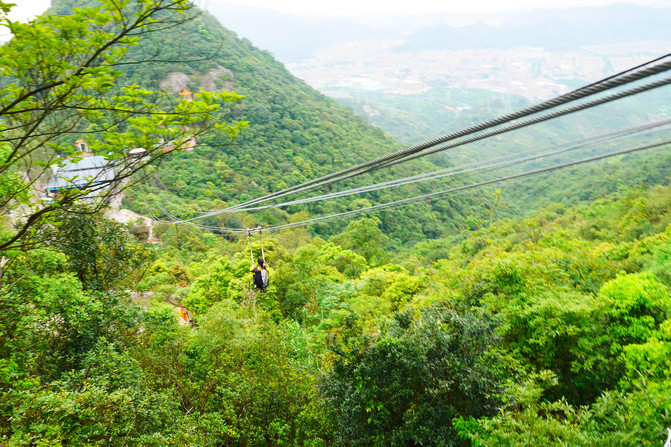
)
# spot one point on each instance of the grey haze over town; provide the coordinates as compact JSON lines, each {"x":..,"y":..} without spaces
{"x":535,"y":53}
{"x":381,"y":57}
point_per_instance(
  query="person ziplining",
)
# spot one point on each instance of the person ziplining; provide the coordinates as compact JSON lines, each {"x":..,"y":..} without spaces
{"x":260,"y":270}
{"x":260,"y":274}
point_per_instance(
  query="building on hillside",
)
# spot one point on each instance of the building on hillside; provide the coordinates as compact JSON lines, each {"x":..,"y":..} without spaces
{"x":83,"y":148}
{"x":138,"y":154}
{"x":187,"y":146}
{"x":186,"y":95}
{"x":94,"y":170}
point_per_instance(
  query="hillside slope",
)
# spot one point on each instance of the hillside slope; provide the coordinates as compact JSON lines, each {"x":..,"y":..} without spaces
{"x":294,"y":134}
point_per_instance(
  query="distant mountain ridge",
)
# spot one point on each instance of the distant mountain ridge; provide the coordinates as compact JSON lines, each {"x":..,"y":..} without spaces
{"x":288,"y":37}
{"x":294,"y":38}
{"x":551,"y":29}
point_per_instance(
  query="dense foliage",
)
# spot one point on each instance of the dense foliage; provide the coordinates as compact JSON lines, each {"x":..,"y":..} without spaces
{"x":60,"y":82}
{"x":553,"y":327}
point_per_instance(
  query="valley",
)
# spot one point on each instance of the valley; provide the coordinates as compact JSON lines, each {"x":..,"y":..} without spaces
{"x":335,"y":244}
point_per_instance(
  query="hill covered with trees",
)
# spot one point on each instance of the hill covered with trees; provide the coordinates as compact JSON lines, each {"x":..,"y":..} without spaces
{"x":554,"y":326}
{"x":294,"y":133}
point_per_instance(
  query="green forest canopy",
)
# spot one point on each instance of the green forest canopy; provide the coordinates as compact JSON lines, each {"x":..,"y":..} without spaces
{"x":554,"y":326}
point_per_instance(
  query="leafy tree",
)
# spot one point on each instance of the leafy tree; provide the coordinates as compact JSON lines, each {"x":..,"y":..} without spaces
{"x":638,"y":305}
{"x":235,"y":376}
{"x":51,"y":320}
{"x":405,"y":386}
{"x":61,"y":82}
{"x":617,"y":418}
{"x":347,"y":262}
{"x":364,"y":237}
{"x":526,"y":419}
{"x":299,"y":280}
{"x":650,"y":360}
{"x":106,"y":403}
{"x":51,"y":325}
{"x":212,"y":286}
{"x":101,"y":252}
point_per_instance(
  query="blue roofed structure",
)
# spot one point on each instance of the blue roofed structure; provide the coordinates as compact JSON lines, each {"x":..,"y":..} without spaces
{"x":87,"y":171}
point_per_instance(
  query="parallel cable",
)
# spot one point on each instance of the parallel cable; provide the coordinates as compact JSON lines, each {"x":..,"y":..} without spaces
{"x":526,"y":123}
{"x":629,"y":70}
{"x":156,"y":219}
{"x":598,"y":87}
{"x":428,"y":148}
{"x":471,"y":167}
{"x":430,"y":196}
{"x":506,"y":160}
{"x":549,"y":116}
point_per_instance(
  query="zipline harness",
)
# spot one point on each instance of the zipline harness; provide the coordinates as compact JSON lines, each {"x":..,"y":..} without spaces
{"x":263,"y":255}
{"x":251,"y":252}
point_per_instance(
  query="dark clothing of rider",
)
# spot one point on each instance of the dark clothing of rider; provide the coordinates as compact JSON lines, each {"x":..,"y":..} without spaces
{"x":256,"y":271}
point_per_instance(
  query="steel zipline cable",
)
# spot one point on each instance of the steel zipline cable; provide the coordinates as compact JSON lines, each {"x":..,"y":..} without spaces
{"x":418,"y":150}
{"x":309,"y":186}
{"x":430,"y":196}
{"x":587,"y":105}
{"x":629,"y":76}
{"x":434,"y":195}
{"x":489,"y":164}
{"x":610,"y":83}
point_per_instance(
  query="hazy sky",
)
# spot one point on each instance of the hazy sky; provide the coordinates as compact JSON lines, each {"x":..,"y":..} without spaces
{"x":28,"y":8}
{"x":355,"y":7}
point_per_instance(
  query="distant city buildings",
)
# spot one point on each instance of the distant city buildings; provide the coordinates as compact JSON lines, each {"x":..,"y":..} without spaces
{"x":532,"y":72}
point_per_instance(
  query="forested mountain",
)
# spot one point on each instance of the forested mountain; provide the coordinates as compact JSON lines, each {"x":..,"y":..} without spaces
{"x":294,"y":134}
{"x":550,"y":323}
